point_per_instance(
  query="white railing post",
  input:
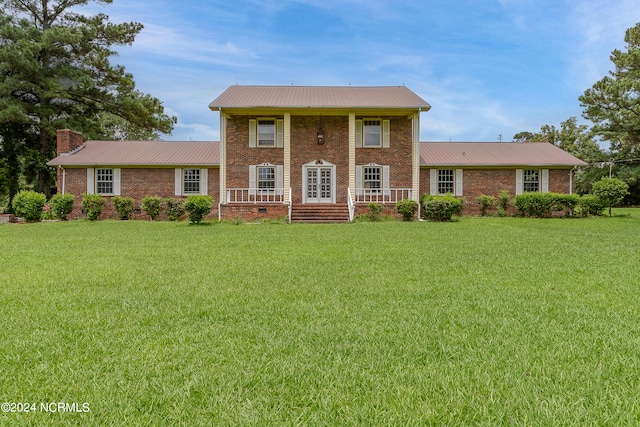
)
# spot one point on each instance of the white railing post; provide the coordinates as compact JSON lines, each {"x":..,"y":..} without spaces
{"x":351,"y":205}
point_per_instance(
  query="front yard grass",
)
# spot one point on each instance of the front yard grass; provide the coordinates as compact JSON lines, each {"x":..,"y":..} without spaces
{"x":485,"y":321}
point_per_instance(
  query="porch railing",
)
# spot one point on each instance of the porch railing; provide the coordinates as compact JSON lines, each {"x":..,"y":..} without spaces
{"x":352,"y":207}
{"x":255,"y":195}
{"x":382,"y":195}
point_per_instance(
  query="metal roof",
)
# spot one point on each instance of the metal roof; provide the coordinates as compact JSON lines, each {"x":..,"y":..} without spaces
{"x":142,"y":153}
{"x":495,"y":154}
{"x":319,"y":97}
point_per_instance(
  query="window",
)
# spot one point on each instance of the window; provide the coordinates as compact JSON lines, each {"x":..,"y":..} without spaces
{"x":445,"y":181}
{"x":266,"y":177}
{"x":531,"y":180}
{"x":104,"y":181}
{"x":372,"y":178}
{"x":191,"y":181}
{"x":371,"y":132}
{"x":266,"y":133}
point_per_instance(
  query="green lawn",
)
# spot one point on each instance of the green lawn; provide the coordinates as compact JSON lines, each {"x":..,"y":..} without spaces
{"x":484,"y":321}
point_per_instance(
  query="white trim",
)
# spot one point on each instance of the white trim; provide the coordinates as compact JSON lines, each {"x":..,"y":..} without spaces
{"x":359,"y":127}
{"x":324,"y":165}
{"x":385,"y":131}
{"x":116,"y":181}
{"x":433,"y":182}
{"x":253,"y":133}
{"x":279,"y":133}
{"x":178,"y":182}
{"x":458,"y":183}
{"x":204,"y":181}
{"x":544,"y":180}
{"x":519,"y":181}
{"x":91,"y":186}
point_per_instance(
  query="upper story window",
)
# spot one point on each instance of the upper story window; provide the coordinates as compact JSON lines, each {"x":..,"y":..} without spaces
{"x":445,"y":181}
{"x":531,"y":180}
{"x":266,"y":177}
{"x":191,"y":181}
{"x":371,"y":133}
{"x":266,"y":132}
{"x":104,"y":181}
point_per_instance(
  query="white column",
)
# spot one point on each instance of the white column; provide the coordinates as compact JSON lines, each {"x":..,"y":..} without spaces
{"x":287,"y":155}
{"x":352,"y":154}
{"x":223,"y":159}
{"x":415,"y":163}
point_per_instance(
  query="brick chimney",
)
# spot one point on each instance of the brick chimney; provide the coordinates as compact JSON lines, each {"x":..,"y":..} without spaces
{"x":67,"y":141}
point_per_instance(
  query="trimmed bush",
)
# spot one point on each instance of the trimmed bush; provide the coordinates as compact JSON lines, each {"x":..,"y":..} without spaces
{"x":92,"y":205}
{"x":61,"y":205}
{"x":543,"y":205}
{"x":441,"y":208}
{"x":407,"y":208}
{"x":29,"y":204}
{"x":589,"y":205}
{"x":152,"y":205}
{"x":485,"y":202}
{"x":375,"y":209}
{"x":503,"y":202}
{"x":175,"y":209}
{"x":124,"y":206}
{"x":198,"y":207}
{"x":611,"y":191}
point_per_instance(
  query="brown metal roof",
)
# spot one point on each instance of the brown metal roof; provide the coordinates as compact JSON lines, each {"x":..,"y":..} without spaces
{"x":142,"y":153}
{"x":495,"y":154}
{"x":319,"y":97}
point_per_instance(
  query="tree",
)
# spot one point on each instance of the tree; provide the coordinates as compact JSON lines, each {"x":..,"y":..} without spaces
{"x":611,"y":191}
{"x":55,"y":73}
{"x":613,"y":103}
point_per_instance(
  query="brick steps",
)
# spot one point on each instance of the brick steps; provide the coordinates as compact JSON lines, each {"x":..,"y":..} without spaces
{"x":320,"y":213}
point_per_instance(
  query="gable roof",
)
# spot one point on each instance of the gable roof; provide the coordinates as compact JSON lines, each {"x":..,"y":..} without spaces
{"x":319,"y":97}
{"x":142,"y":153}
{"x":495,"y":154}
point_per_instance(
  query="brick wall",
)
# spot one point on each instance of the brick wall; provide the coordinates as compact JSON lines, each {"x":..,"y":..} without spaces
{"x":476,"y":182}
{"x":305,"y":149}
{"x":136,"y":183}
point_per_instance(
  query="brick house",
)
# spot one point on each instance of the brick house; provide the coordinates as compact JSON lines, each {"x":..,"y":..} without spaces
{"x":310,"y":153}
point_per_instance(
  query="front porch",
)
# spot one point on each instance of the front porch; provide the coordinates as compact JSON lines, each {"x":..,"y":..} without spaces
{"x":250,"y":204}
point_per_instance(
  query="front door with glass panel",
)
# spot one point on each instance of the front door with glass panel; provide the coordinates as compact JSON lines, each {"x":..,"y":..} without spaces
{"x":319,"y":185}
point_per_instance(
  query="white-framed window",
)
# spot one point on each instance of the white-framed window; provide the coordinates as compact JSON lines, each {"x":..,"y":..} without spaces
{"x":105,"y":181}
{"x":266,"y":177}
{"x":531,"y":180}
{"x":445,"y":181}
{"x":372,"y":133}
{"x":372,"y":178}
{"x":266,"y":132}
{"x":191,"y":181}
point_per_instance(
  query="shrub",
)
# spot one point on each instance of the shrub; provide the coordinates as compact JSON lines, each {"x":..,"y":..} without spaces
{"x":61,"y":205}
{"x":92,"y":205}
{"x":198,"y":207}
{"x":589,"y":205}
{"x":152,"y":205}
{"x":485,"y":202}
{"x":407,"y":208}
{"x":611,"y":191}
{"x":375,"y":209}
{"x":503,"y":202}
{"x":441,"y":208}
{"x":28,"y":204}
{"x":175,"y":209}
{"x":124,"y":206}
{"x":543,"y":205}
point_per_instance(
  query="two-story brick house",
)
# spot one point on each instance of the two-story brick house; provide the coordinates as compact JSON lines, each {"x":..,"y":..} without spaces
{"x":309,"y":153}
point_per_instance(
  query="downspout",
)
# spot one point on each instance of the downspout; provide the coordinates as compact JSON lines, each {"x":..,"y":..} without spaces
{"x":571,"y":180}
{"x":64,"y":177}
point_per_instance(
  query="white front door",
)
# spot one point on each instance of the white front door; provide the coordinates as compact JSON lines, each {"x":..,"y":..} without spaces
{"x":319,"y":184}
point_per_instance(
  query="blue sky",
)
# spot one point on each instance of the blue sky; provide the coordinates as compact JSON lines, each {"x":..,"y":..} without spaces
{"x":487,"y":67}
